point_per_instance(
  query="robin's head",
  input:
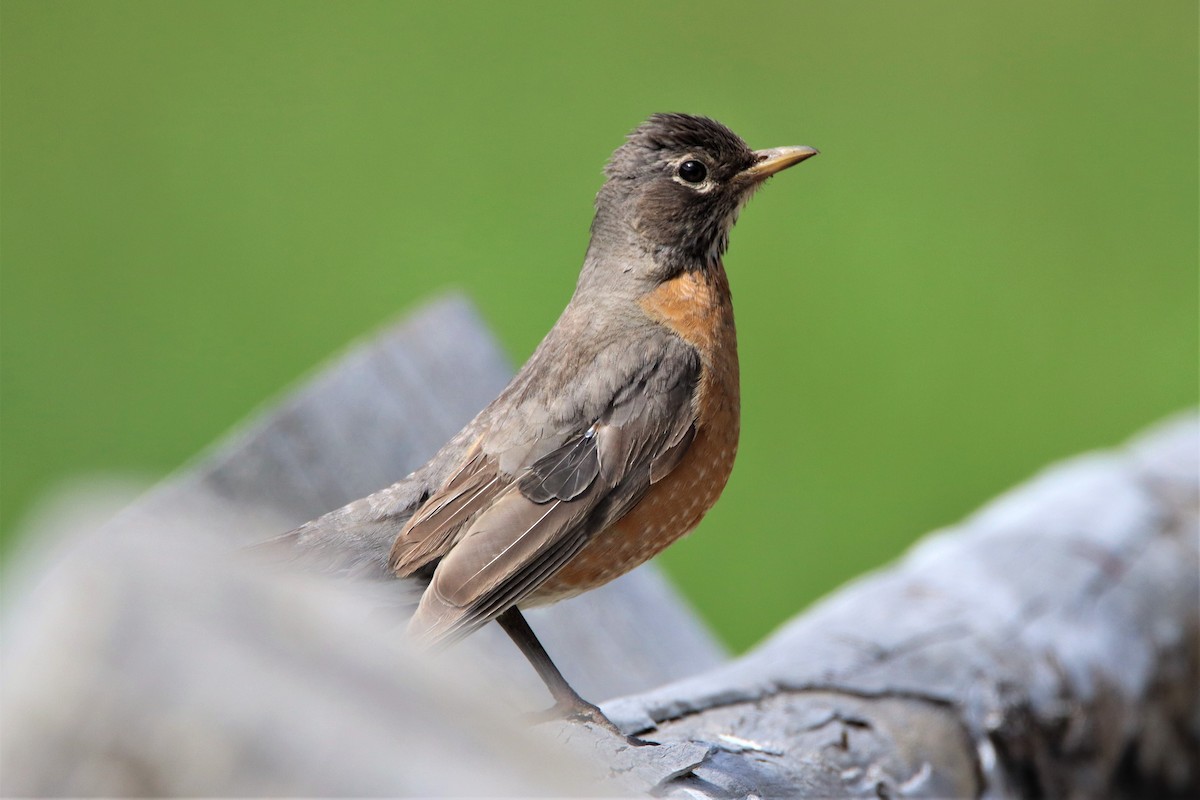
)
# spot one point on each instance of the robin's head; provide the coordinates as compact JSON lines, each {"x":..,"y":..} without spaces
{"x":678,"y":184}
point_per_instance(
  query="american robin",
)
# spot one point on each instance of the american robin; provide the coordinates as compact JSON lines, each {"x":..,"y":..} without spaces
{"x":617,"y":435}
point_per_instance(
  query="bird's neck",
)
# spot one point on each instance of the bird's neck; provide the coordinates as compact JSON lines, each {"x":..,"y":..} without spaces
{"x":620,"y":254}
{"x":619,"y":231}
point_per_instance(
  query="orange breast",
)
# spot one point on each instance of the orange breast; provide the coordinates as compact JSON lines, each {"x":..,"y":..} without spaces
{"x":698,"y":308}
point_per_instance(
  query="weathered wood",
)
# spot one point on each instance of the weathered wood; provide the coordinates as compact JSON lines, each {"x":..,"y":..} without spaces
{"x":1047,"y":646}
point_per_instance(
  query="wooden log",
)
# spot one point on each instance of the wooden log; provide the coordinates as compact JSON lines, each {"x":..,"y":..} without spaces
{"x":1046,"y":646}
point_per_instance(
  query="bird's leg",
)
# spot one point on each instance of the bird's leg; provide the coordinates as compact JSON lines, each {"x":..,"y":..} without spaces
{"x":567,"y":702}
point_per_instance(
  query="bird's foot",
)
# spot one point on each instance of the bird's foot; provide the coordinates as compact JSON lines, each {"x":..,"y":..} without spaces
{"x":579,"y":710}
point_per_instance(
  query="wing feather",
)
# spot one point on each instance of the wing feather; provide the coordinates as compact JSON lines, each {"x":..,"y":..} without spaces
{"x":507,"y":551}
{"x":499,"y":539}
{"x":565,"y":473}
{"x":433,"y":529}
{"x":669,"y":458}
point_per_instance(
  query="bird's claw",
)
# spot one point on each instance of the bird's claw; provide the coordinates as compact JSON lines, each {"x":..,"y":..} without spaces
{"x":583,"y":712}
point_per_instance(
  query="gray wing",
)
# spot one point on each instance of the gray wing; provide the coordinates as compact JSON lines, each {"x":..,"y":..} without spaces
{"x":536,"y":518}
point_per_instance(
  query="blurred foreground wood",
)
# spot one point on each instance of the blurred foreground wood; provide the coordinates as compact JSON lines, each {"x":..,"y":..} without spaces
{"x":1047,"y":646}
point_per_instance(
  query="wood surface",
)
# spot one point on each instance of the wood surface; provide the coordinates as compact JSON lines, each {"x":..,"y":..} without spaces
{"x":1045,"y":646}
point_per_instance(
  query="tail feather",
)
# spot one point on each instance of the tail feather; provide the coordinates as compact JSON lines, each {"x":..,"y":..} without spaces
{"x":352,"y":540}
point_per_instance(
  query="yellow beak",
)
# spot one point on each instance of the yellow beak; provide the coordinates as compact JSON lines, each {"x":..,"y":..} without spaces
{"x":777,"y":158}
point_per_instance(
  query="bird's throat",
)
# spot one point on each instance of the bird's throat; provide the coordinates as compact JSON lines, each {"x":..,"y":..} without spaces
{"x":696,"y":306}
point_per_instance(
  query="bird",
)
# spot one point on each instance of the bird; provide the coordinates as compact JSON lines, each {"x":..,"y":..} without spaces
{"x":617,"y":435}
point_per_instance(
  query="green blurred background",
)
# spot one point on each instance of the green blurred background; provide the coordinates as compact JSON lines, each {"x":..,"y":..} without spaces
{"x":992,"y":265}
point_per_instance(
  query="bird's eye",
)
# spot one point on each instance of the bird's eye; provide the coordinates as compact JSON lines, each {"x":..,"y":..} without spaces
{"x":693,"y":171}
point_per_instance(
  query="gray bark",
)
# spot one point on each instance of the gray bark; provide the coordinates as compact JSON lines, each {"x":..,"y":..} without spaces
{"x":1046,"y":646}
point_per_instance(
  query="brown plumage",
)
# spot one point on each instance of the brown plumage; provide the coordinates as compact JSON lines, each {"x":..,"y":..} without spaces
{"x":617,"y":435}
{"x":697,"y":308}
